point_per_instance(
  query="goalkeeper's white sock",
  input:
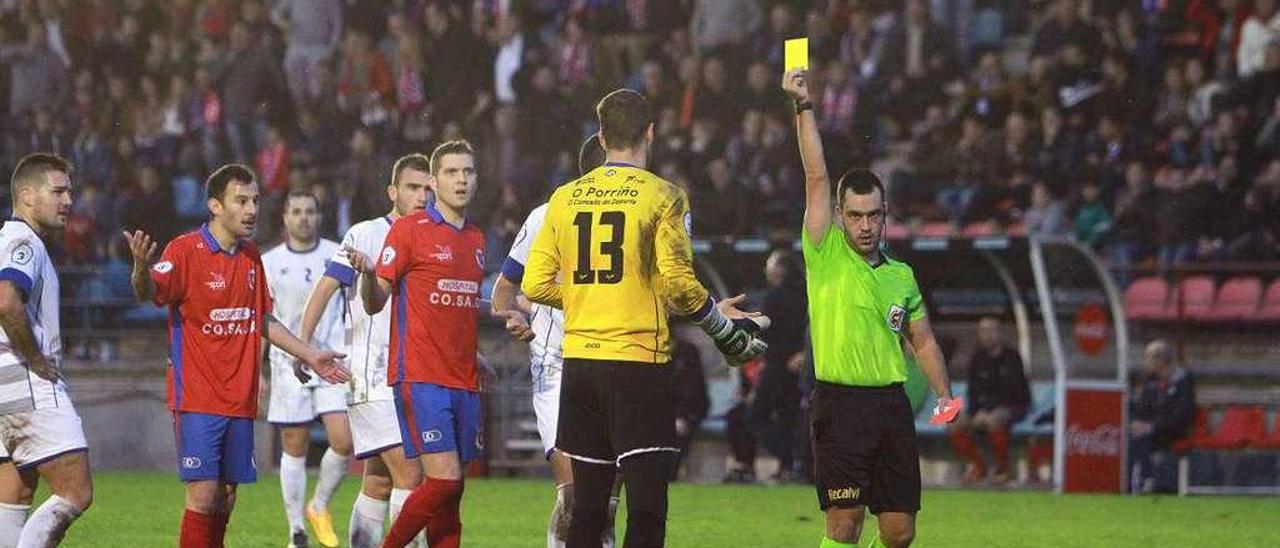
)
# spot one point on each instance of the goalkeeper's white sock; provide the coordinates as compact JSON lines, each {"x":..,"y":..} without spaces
{"x":293,"y":485}
{"x":48,"y":523}
{"x":332,"y":468}
{"x":366,"y":523}
{"x":12,"y":516}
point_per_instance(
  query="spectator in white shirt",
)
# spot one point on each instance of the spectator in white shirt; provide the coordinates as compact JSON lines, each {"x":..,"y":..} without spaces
{"x":1262,"y":28}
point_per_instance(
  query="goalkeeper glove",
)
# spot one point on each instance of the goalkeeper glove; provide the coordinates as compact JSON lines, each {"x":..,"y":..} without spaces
{"x":736,"y":339}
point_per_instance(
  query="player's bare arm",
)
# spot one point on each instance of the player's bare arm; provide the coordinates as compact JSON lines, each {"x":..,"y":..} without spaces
{"x":505,"y":305}
{"x":817,"y":182}
{"x":929,"y":355}
{"x":319,"y":299}
{"x":13,"y":318}
{"x":375,"y":291}
{"x":326,"y":363}
{"x":143,"y":250}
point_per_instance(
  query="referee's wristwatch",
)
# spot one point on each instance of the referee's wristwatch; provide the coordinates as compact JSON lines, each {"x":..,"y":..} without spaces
{"x":802,"y":106}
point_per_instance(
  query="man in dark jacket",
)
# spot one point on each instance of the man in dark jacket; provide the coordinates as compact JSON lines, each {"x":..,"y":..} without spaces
{"x":774,"y":413}
{"x":1161,"y":413}
{"x":998,"y":397}
{"x":693,"y":403}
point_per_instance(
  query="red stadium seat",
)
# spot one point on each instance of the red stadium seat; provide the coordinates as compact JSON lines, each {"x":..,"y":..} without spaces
{"x":1241,"y":427}
{"x":934,"y":230}
{"x":1237,"y":300}
{"x":1272,"y":441}
{"x":1197,"y":294}
{"x":1199,"y":434}
{"x":1270,"y":308}
{"x":896,"y":231}
{"x":976,"y":230}
{"x":1016,"y":230}
{"x":1145,"y":299}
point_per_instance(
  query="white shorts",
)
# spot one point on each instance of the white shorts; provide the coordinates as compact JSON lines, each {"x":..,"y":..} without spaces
{"x":296,"y":404}
{"x":546,"y":407}
{"x":31,"y":438}
{"x":375,"y":427}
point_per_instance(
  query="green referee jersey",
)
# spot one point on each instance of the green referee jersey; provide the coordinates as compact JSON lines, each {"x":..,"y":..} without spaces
{"x":857,"y":312}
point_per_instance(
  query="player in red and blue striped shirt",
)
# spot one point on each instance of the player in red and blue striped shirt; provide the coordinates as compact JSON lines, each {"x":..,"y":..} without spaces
{"x":214,"y":285}
{"x":431,"y":266}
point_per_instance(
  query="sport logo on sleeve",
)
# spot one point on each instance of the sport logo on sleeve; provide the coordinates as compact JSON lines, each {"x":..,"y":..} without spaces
{"x":897,"y":315}
{"x":163,"y":267}
{"x":388,"y":255}
{"x":22,"y":254}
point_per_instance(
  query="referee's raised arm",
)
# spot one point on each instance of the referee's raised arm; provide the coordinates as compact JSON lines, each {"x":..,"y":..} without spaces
{"x":817,"y":183}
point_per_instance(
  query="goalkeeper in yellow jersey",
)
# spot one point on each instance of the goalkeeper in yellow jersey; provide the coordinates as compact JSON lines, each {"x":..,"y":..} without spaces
{"x":614,"y":254}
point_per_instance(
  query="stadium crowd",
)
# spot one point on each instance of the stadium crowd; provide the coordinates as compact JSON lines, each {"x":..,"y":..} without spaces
{"x":1148,"y":129}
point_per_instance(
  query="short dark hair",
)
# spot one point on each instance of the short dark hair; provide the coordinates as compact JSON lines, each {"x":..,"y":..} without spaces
{"x":457,"y":146}
{"x":415,"y":161}
{"x":300,"y":193}
{"x":591,"y":155}
{"x":624,"y":117}
{"x":859,"y":181}
{"x":32,"y":168}
{"x":216,"y":186}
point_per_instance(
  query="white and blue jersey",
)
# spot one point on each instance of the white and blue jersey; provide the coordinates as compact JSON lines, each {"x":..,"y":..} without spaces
{"x":546,"y":357}
{"x":24,"y":261}
{"x":367,"y":336}
{"x":292,"y":275}
{"x":546,"y":350}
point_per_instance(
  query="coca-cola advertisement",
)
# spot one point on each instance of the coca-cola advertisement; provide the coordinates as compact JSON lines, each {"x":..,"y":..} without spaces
{"x":1094,"y":440}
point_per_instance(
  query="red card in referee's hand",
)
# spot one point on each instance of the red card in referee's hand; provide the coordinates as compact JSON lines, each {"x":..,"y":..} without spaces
{"x":946,"y":410}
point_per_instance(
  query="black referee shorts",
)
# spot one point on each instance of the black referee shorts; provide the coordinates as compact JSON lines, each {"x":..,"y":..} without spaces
{"x":864,"y":448}
{"x":611,"y":409}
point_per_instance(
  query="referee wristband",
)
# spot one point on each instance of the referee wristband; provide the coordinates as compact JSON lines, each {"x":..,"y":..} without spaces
{"x":802,"y":106}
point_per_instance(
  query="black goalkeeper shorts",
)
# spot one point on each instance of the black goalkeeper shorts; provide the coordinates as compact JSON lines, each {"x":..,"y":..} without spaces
{"x":864,"y":448}
{"x":610,"y":410}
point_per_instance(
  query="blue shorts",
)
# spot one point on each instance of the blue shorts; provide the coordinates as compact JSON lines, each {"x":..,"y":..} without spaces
{"x":435,"y":419}
{"x":214,"y":447}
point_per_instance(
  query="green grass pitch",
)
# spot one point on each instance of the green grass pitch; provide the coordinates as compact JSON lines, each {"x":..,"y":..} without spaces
{"x":144,"y":509}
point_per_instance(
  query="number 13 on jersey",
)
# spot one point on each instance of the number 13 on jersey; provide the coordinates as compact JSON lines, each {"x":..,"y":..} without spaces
{"x":610,"y":229}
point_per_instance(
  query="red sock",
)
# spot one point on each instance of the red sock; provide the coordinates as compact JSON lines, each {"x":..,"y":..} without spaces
{"x":197,"y":530}
{"x":444,"y":530}
{"x":220,"y":529}
{"x":1000,"y":446}
{"x":430,"y":504}
{"x":962,"y":442}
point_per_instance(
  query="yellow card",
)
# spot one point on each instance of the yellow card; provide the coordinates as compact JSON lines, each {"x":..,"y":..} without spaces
{"x":796,"y":54}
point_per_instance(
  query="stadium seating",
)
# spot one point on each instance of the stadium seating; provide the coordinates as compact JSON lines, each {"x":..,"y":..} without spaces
{"x":1272,"y":441}
{"x":934,"y":230}
{"x":896,"y":231}
{"x":1197,"y":296}
{"x":1270,"y":308}
{"x":1035,"y":422}
{"x":977,"y":230}
{"x":1240,"y":428}
{"x":1146,"y":299}
{"x":1237,"y":300}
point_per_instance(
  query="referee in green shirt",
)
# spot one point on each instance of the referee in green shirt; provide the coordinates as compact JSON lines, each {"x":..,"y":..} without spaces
{"x":862,"y":303}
